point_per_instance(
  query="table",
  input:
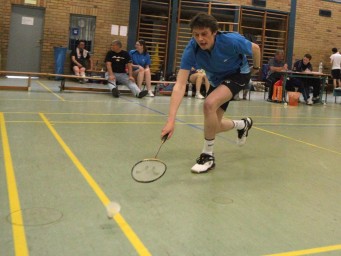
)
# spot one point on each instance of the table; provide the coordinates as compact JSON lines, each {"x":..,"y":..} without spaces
{"x":289,"y":73}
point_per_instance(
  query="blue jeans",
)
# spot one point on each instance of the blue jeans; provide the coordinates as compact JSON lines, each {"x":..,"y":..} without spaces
{"x":123,"y":78}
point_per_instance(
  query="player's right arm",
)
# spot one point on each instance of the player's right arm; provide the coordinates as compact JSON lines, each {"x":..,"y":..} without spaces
{"x":176,"y":98}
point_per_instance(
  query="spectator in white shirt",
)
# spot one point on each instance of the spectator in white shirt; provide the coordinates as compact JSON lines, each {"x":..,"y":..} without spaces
{"x":335,"y":60}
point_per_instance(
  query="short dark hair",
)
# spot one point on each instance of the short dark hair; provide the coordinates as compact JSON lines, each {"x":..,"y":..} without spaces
{"x":334,"y":50}
{"x":308,"y":56}
{"x":204,"y":20}
{"x":80,"y":41}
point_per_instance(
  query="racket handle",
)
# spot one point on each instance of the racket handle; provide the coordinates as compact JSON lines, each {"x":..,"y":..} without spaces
{"x":164,"y":138}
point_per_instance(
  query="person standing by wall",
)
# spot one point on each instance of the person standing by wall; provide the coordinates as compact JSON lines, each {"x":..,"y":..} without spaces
{"x":335,"y":60}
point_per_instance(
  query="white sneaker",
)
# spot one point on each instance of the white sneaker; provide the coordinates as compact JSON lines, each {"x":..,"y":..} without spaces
{"x":243,"y":133}
{"x":150,"y":94}
{"x":199,"y":96}
{"x":204,"y":163}
{"x":310,"y":101}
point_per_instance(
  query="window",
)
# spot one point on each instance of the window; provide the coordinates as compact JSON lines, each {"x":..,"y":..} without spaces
{"x":82,"y":28}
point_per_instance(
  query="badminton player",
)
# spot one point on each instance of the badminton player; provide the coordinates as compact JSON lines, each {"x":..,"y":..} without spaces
{"x":223,"y":57}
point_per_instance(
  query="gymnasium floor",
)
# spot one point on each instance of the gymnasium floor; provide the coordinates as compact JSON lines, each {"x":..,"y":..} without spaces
{"x":64,"y":156}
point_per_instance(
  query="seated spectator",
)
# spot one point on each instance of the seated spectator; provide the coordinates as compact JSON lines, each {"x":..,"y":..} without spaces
{"x":197,"y":77}
{"x":276,"y":65}
{"x":79,"y":58}
{"x":117,"y":60}
{"x":140,"y":63}
{"x":304,"y":84}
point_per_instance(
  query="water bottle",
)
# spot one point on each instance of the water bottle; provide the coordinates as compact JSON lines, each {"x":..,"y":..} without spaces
{"x":321,"y":67}
{"x":189,"y":92}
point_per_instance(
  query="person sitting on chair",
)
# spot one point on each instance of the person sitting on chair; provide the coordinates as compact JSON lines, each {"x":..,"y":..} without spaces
{"x":276,"y":65}
{"x":141,"y":63}
{"x":197,"y":77}
{"x":79,"y":58}
{"x":304,"y":84}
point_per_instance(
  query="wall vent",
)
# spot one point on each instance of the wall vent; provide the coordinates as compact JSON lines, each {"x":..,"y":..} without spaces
{"x":325,"y":13}
{"x":261,"y":3}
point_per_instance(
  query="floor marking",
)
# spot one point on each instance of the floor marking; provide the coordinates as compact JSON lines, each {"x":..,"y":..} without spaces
{"x":296,"y":140}
{"x":127,"y":230}
{"x":19,"y":236}
{"x":309,"y":251}
{"x":48,"y":89}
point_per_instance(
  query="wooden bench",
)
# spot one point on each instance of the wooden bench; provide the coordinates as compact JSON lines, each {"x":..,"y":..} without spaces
{"x":19,"y":73}
{"x":60,"y":77}
{"x":63,"y":85}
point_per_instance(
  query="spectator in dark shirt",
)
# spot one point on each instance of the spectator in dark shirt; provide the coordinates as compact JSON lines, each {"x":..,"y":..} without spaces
{"x":80,"y":58}
{"x":117,"y":61}
{"x":276,"y":65}
{"x":304,"y":84}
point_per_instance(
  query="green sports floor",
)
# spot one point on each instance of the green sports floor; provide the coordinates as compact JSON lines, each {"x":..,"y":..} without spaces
{"x":65,"y":155}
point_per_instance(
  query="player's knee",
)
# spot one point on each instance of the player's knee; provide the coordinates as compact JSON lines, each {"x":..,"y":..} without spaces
{"x":209,"y":106}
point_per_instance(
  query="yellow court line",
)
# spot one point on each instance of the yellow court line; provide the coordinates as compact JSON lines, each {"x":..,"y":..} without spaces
{"x":296,"y":140}
{"x":19,"y":237}
{"x":127,"y":230}
{"x":48,"y":89}
{"x":179,"y":115}
{"x":309,"y":251}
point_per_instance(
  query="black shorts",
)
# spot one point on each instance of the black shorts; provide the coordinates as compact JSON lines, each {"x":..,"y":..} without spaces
{"x":336,"y":73}
{"x":235,"y":82}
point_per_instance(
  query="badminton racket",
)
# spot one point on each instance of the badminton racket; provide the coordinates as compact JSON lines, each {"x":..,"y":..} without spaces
{"x":149,"y":169}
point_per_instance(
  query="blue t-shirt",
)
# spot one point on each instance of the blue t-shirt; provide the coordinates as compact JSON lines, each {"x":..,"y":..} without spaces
{"x":227,"y":56}
{"x":140,"y":59}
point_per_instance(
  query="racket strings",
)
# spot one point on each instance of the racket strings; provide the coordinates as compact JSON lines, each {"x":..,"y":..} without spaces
{"x":148,"y":170}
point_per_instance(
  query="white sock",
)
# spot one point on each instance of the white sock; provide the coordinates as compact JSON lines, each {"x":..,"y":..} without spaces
{"x":239,"y":124}
{"x":208,"y":147}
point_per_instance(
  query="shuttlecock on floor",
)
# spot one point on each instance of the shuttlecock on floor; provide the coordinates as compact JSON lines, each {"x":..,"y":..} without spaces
{"x":112,"y":209}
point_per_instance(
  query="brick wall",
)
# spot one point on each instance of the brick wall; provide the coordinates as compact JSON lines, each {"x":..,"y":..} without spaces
{"x":282,"y":5}
{"x":313,"y":34}
{"x":56,"y":26}
{"x":57,"y":18}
